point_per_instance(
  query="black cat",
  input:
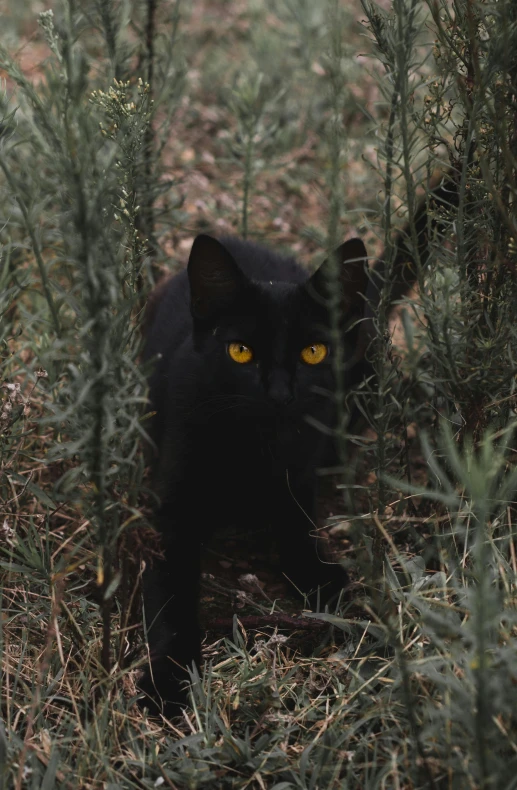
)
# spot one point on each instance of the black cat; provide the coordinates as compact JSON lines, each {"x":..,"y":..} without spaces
{"x":243,"y":385}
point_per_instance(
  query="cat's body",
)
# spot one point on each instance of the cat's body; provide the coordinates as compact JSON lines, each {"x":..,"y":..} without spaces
{"x":235,"y":442}
{"x":244,"y":399}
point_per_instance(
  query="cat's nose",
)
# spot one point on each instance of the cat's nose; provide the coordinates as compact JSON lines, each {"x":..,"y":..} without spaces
{"x":279,"y":388}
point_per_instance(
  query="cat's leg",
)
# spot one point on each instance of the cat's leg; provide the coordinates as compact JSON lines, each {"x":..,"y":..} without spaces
{"x":171,"y":596}
{"x":302,"y":554}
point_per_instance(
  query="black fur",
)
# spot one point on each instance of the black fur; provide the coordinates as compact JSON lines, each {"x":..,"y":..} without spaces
{"x":233,"y":440}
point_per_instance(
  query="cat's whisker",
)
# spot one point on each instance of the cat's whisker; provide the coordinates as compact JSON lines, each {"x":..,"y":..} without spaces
{"x":225,"y":398}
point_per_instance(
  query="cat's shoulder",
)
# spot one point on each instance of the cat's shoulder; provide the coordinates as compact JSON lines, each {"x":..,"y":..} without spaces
{"x":171,"y":284}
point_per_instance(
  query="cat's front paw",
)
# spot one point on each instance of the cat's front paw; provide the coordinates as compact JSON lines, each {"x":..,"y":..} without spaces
{"x":163,"y":693}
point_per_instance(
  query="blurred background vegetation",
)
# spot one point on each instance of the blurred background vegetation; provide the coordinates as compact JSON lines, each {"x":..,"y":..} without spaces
{"x":127,"y":127}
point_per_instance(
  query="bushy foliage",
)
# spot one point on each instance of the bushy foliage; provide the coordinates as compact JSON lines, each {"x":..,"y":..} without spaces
{"x":134,"y":132}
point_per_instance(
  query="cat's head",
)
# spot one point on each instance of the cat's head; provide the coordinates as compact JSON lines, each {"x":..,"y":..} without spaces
{"x":270,"y":341}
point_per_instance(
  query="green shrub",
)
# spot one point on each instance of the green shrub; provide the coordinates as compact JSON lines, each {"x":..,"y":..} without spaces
{"x":145,"y":123}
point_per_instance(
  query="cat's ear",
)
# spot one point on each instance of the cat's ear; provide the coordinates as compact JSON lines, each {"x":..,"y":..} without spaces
{"x":351,"y":257}
{"x":214,"y":277}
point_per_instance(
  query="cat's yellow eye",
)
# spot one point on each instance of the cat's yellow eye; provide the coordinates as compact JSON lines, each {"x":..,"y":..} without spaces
{"x":240,"y":353}
{"x":314,"y":354}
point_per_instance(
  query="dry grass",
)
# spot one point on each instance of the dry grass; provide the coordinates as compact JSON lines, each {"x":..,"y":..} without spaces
{"x":411,"y":685}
